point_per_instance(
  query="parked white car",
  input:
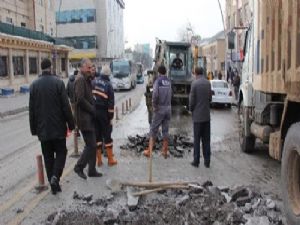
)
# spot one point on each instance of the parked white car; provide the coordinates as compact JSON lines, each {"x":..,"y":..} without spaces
{"x":221,"y":93}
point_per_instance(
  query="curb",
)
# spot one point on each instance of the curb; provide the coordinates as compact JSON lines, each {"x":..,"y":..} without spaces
{"x":13,"y":111}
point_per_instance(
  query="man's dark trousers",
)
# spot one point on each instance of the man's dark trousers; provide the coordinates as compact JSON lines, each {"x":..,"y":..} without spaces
{"x":202,"y":132}
{"x":88,"y":155}
{"x":55,"y":153}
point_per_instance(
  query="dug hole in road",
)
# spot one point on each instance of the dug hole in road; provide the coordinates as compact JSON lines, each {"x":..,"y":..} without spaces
{"x":244,"y":189}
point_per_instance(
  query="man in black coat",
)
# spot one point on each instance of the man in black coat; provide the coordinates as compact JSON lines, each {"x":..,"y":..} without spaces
{"x":199,"y":101}
{"x":49,"y":116}
{"x":85,"y":117}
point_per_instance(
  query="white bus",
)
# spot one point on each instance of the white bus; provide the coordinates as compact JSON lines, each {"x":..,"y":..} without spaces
{"x":123,"y":74}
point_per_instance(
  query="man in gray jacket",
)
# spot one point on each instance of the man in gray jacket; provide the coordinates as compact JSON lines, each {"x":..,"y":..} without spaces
{"x":161,"y":102}
{"x":86,"y":113}
{"x":199,"y":101}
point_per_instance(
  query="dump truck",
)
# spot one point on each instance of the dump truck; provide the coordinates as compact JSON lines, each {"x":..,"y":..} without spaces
{"x":181,"y":76}
{"x":269,"y":95}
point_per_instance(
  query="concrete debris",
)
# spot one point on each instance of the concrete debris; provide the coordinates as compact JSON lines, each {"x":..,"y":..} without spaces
{"x":178,"y":144}
{"x":19,"y":210}
{"x":270,"y":204}
{"x":132,"y":201}
{"x":187,"y":206}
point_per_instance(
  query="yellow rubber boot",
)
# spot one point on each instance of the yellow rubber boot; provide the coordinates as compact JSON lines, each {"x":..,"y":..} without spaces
{"x":110,"y":156}
{"x":165,"y":148}
{"x":99,"y":156}
{"x":150,"y":147}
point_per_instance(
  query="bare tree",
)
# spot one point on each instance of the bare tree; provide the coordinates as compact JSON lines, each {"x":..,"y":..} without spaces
{"x":186,"y":33}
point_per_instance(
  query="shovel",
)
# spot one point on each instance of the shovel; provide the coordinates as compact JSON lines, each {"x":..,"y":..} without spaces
{"x":116,"y":185}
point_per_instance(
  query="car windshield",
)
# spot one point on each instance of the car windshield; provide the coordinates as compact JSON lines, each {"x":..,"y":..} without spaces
{"x":219,"y":85}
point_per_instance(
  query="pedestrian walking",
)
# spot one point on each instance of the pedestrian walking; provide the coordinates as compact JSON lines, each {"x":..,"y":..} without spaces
{"x":236,"y":85}
{"x":161,"y":103}
{"x":86,"y":113}
{"x":95,"y":74}
{"x":220,"y":75}
{"x":199,"y":101}
{"x":105,"y":103}
{"x":50,"y":115}
{"x":71,"y":94}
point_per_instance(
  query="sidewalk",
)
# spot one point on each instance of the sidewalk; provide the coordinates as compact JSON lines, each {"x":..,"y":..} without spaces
{"x":15,"y":104}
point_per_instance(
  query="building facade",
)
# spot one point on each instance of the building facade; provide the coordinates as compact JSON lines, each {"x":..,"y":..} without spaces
{"x":38,"y":15}
{"x":214,"y":50}
{"x":238,"y":15}
{"x":26,"y":27}
{"x":94,"y":27}
{"x":20,"y":60}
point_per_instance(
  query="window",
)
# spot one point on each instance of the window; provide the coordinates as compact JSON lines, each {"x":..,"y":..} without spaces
{"x":9,"y":20}
{"x":63,"y":64}
{"x":220,"y":84}
{"x":83,"y":42}
{"x":41,"y":28}
{"x":49,"y":4}
{"x":32,"y":65}
{"x":76,"y":16}
{"x":23,"y":24}
{"x":18,"y":64}
{"x":222,"y":65}
{"x":3,"y":66}
{"x":41,"y":2}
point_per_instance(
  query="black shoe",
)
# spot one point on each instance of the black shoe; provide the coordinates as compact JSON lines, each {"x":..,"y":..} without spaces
{"x":54,"y":185}
{"x":195,"y":164}
{"x":58,"y":188}
{"x":80,"y":172}
{"x":207,"y":164}
{"x":94,"y":174}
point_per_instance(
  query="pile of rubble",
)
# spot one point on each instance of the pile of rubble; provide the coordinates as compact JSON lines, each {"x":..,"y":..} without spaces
{"x":178,"y":144}
{"x":208,"y":205}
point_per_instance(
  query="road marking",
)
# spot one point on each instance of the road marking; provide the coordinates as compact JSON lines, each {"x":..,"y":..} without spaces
{"x":36,"y":200}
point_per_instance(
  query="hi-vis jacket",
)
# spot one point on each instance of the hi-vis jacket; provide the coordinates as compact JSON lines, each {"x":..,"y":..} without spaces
{"x":104,"y":95}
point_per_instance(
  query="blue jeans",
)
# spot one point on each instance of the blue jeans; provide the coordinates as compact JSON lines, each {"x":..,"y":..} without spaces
{"x":202,"y":133}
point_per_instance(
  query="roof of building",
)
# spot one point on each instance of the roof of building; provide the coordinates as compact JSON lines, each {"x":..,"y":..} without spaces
{"x":218,"y":36}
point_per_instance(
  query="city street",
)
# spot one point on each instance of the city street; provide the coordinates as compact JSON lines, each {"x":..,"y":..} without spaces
{"x":18,"y":148}
{"x":229,"y":166}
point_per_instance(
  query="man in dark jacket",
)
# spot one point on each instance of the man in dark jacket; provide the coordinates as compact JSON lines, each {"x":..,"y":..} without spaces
{"x":199,"y":101}
{"x":49,"y":114}
{"x":71,"y":87}
{"x":105,"y":103}
{"x":71,"y":95}
{"x":161,"y":103}
{"x":85,"y":117}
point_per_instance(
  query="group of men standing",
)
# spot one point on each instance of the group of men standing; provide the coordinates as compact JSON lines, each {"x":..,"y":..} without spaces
{"x":199,"y":105}
{"x":92,"y":101}
{"x":50,"y":116}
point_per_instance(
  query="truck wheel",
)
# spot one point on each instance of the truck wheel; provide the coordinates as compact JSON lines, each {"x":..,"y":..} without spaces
{"x":290,"y":175}
{"x":247,"y":143}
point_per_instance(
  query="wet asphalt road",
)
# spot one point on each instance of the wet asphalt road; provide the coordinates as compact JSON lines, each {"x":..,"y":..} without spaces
{"x":229,"y":166}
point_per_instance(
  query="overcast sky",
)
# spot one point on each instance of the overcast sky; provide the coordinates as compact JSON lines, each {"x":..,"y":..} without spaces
{"x":146,"y":19}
